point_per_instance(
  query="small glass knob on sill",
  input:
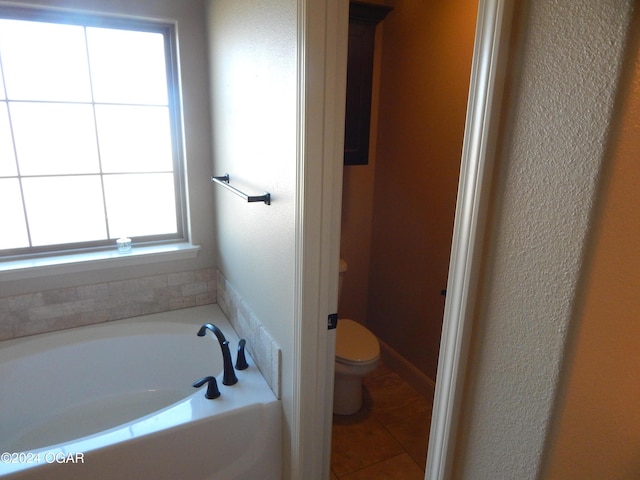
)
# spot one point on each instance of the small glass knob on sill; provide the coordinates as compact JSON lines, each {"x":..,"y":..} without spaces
{"x":124,"y":245}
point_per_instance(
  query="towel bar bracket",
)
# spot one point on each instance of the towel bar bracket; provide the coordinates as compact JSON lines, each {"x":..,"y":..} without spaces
{"x":223,"y":180}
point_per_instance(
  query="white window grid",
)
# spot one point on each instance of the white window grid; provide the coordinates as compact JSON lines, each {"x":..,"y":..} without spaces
{"x":173,"y":104}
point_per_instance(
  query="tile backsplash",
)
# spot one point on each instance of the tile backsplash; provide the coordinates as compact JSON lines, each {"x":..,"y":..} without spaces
{"x":57,"y":309}
{"x":264,"y":350}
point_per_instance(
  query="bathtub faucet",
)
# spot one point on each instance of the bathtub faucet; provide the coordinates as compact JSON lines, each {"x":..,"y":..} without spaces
{"x":229,"y":375}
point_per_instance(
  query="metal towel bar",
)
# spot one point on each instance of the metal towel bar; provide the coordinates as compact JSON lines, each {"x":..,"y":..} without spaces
{"x":224,"y":181}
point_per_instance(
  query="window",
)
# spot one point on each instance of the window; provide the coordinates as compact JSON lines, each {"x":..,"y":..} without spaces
{"x":90,"y":145}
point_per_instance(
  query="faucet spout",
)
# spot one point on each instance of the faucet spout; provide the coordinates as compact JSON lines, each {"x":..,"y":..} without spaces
{"x":216,"y":331}
{"x":229,"y":375}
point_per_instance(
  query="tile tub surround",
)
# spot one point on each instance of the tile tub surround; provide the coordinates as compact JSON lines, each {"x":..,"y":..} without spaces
{"x":58,"y":309}
{"x":263,"y":349}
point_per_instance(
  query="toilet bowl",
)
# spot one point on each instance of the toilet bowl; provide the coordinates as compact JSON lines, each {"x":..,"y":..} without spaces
{"x":357,"y":354}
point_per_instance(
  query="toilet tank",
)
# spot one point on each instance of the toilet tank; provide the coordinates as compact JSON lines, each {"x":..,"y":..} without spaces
{"x":341,"y":270}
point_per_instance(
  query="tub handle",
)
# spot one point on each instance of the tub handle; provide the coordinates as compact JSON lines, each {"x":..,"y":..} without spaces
{"x":212,"y":387}
{"x":241,"y":360}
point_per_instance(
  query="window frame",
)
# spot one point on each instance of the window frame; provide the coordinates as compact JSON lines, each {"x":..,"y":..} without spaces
{"x":169,"y":32}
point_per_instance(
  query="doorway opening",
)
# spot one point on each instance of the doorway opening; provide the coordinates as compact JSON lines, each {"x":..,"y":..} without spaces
{"x":387,"y":187}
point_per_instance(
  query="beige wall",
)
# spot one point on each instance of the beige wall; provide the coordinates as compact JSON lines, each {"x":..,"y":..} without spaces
{"x":598,"y":431}
{"x":560,"y":115}
{"x":398,"y":211}
{"x":253,"y":70}
{"x":357,"y":209}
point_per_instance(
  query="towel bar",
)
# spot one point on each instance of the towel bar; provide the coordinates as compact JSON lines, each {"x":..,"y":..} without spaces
{"x":224,"y":181}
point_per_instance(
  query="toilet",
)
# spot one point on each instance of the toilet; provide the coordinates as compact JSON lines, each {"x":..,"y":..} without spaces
{"x":357,"y":354}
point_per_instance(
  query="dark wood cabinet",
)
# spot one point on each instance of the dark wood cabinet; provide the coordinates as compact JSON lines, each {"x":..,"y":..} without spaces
{"x":363,"y":18}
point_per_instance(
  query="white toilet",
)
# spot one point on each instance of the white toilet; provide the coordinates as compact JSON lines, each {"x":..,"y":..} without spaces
{"x":357,"y":353}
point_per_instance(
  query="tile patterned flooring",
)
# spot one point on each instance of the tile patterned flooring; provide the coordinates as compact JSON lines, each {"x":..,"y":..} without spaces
{"x":387,"y":438}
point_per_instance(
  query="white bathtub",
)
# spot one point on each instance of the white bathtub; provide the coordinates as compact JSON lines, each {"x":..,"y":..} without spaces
{"x":116,"y":400}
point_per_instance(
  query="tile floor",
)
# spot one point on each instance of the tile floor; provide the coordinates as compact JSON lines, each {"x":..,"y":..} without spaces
{"x":388,"y":438}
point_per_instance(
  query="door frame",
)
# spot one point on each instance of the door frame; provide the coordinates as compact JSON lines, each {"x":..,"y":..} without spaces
{"x":322,"y":50}
{"x":322,"y":78}
{"x":491,"y":50}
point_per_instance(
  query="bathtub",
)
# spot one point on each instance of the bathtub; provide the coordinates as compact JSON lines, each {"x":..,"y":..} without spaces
{"x":116,"y":400}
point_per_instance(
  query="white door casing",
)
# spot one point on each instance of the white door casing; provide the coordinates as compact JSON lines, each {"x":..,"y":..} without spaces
{"x":485,"y":92}
{"x":322,"y":66}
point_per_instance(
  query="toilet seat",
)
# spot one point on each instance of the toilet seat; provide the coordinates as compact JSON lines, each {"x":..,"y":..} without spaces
{"x":355,"y":344}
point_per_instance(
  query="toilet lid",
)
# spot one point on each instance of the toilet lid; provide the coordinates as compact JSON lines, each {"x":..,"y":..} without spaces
{"x":342,"y":266}
{"x":354,"y":343}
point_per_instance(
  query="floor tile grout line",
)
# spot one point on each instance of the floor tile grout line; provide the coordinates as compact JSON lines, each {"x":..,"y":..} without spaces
{"x":384,"y":425}
{"x":375,"y":463}
{"x":369,"y":465}
{"x":404,"y":450}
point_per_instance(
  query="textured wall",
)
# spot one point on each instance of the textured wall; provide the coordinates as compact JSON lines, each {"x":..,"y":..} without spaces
{"x":599,"y":419}
{"x":560,"y":116}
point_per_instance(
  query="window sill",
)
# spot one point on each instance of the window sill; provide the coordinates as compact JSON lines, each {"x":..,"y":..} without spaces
{"x":84,"y":262}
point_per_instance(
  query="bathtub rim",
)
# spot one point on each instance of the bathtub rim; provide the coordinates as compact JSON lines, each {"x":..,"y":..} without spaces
{"x":250,"y":390}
